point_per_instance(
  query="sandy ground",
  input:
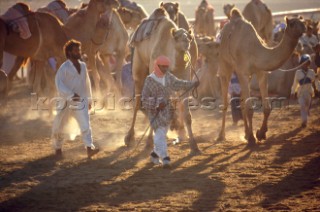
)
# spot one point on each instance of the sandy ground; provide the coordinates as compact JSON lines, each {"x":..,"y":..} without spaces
{"x":281,"y":173}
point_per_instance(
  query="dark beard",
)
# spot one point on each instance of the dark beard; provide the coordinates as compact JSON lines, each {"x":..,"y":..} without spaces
{"x":75,"y":57}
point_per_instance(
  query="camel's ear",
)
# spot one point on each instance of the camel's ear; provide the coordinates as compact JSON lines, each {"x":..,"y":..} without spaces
{"x":173,"y":32}
{"x":233,"y":5}
{"x":161,"y":4}
{"x":287,"y":20}
{"x":177,"y":5}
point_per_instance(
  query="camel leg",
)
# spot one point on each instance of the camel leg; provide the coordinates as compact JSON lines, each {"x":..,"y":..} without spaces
{"x":246,"y":108}
{"x":139,"y":76}
{"x":107,"y":77}
{"x":118,"y":69}
{"x":225,"y":77}
{"x":188,"y":121}
{"x":263,"y":84}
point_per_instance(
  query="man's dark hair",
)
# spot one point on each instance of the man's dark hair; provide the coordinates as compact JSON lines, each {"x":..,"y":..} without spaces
{"x":69,"y":46}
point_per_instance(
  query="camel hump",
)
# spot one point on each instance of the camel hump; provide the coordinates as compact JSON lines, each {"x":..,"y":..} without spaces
{"x":235,"y":13}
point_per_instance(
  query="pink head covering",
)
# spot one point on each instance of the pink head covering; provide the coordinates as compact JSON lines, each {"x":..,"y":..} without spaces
{"x":161,"y":60}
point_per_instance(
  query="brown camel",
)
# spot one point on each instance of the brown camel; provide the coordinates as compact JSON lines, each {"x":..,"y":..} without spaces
{"x":82,"y":25}
{"x":243,"y":51}
{"x":166,"y":39}
{"x":227,"y":9}
{"x":204,"y":21}
{"x":12,"y":43}
{"x":130,"y":18}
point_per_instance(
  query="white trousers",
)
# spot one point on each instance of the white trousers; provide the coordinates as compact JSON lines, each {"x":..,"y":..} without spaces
{"x":82,"y":118}
{"x":305,"y":102}
{"x":160,"y":142}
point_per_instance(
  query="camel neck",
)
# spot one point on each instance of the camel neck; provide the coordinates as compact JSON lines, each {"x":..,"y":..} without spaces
{"x":274,"y":58}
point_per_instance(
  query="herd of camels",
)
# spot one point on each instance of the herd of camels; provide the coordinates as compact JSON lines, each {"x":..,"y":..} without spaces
{"x":102,"y":27}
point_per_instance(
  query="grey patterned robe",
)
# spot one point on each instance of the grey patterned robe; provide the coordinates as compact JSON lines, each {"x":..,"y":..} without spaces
{"x":154,"y":93}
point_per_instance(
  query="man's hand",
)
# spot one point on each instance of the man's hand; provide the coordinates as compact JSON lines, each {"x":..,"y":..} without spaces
{"x":161,"y":106}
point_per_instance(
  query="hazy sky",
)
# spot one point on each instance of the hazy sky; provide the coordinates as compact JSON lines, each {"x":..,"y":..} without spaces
{"x":187,"y":6}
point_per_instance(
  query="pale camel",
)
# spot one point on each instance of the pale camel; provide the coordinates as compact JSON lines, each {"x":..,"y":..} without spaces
{"x":243,"y":51}
{"x":260,"y":16}
{"x":130,"y":18}
{"x":181,"y":21}
{"x":204,"y":21}
{"x":116,"y":43}
{"x":279,"y":81}
{"x":167,"y":39}
{"x":209,"y":81}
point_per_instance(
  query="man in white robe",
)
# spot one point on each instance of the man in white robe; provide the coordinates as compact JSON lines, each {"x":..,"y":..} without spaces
{"x":302,"y":84}
{"x":74,"y":88}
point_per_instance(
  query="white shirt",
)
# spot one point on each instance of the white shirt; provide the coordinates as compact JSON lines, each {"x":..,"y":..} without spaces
{"x":305,"y":88}
{"x":69,"y":81}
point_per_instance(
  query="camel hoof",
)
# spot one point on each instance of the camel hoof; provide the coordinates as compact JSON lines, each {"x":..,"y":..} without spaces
{"x":261,"y":135}
{"x":195,"y":152}
{"x":251,"y":140}
{"x":221,"y":138}
{"x":128,"y":140}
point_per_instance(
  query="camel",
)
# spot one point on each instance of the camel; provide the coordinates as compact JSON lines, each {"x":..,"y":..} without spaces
{"x":115,"y":43}
{"x":258,"y":14}
{"x":47,"y":39}
{"x":227,"y":9}
{"x":279,"y":81}
{"x":12,"y":43}
{"x":82,"y":25}
{"x":243,"y":51}
{"x":209,"y":82}
{"x":130,"y":18}
{"x":169,"y":40}
{"x":260,"y":17}
{"x":181,"y":21}
{"x":204,"y":21}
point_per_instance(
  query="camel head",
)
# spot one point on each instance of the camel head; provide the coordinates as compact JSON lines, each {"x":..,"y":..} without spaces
{"x":209,"y":49}
{"x":172,"y":9}
{"x":130,"y":17}
{"x":295,"y":27}
{"x":182,"y":39}
{"x":227,"y":9}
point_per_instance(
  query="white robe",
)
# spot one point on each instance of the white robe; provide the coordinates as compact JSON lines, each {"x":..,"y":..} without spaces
{"x":68,"y":83}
